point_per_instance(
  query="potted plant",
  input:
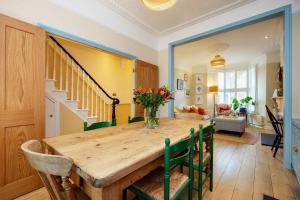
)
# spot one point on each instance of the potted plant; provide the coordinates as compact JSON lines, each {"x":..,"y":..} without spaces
{"x":151,"y":99}
{"x":235,"y":104}
{"x":242,"y":104}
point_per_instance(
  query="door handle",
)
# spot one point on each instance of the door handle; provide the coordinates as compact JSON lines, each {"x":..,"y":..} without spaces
{"x":50,"y":115}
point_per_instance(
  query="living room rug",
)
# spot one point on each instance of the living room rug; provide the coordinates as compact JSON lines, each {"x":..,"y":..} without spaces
{"x":248,"y":137}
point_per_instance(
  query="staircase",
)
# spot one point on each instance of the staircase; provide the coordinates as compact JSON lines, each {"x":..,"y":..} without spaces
{"x":69,"y":83}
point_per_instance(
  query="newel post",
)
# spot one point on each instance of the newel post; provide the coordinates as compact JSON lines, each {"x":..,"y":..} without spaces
{"x":113,"y":113}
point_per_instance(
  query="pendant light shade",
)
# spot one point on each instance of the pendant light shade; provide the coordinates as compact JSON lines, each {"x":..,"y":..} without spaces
{"x":159,"y":5}
{"x":217,"y":62}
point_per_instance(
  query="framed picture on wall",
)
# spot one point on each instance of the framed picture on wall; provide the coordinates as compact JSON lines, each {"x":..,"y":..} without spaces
{"x":187,"y":92}
{"x":179,"y":84}
{"x":185,"y":77}
{"x":199,"y":89}
{"x":199,"y":78}
{"x":199,"y":99}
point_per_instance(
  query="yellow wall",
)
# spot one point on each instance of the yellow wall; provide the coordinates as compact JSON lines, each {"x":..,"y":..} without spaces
{"x":69,"y":122}
{"x":112,"y":72}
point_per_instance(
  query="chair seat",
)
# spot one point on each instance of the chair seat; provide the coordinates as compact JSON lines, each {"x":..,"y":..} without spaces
{"x":206,"y":157}
{"x":153,"y":183}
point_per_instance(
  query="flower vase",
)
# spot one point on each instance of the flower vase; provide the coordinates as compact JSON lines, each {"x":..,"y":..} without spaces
{"x":151,"y":121}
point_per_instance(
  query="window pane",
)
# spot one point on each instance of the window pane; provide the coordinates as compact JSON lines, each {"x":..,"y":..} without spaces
{"x":221,"y":80}
{"x":220,"y":98}
{"x":241,"y":77}
{"x":229,"y":96}
{"x":241,"y":95}
{"x":230,"y":80}
{"x":252,"y":87}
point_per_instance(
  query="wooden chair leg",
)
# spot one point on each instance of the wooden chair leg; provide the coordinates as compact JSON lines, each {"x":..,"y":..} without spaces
{"x":274,"y":143}
{"x":277,"y":146}
{"x":200,"y":183}
{"x":124,"y":194}
{"x":190,"y":195}
{"x":211,"y":170}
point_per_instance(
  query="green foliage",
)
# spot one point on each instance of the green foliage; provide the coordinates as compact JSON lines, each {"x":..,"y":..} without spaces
{"x":235,"y":104}
{"x":243,"y":102}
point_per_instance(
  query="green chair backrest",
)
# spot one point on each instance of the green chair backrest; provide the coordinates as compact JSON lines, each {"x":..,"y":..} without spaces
{"x":205,"y":135}
{"x":96,"y":125}
{"x":183,"y":151}
{"x":135,"y":119}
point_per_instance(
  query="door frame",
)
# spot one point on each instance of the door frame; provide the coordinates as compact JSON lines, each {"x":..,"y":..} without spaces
{"x":286,"y":12}
{"x":97,"y":45}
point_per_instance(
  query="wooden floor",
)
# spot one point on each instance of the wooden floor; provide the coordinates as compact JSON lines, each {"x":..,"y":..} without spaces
{"x":241,"y":172}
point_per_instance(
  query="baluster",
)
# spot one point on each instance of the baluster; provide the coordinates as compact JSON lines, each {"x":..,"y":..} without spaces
{"x":92,"y":106}
{"x":72,"y":80}
{"x":54,"y":62}
{"x":96,"y":94}
{"x":67,"y":74}
{"x":104,"y":110}
{"x":47,"y":59}
{"x":82,"y":106}
{"x":77,"y":92}
{"x":108,"y":112}
{"x":100,"y":98}
{"x":60,"y":70}
{"x":87,"y":93}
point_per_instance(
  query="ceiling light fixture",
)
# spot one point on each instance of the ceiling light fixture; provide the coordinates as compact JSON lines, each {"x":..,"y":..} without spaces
{"x":159,"y":5}
{"x":217,"y":62}
{"x":267,"y":37}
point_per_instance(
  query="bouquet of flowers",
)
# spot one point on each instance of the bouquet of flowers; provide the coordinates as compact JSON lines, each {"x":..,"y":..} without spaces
{"x":151,"y":99}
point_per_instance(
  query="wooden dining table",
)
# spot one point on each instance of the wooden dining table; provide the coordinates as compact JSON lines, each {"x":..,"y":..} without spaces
{"x":108,"y":160}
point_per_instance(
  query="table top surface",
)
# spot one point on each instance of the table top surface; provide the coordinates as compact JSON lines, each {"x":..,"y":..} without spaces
{"x":105,"y":155}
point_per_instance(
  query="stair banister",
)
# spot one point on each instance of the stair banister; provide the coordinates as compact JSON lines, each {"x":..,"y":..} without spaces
{"x":60,"y":70}
{"x":47,"y":60}
{"x":54,"y":62}
{"x":67,"y":73}
{"x":115,"y":101}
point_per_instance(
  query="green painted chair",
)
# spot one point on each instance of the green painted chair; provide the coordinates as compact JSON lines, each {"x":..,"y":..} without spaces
{"x":166,"y":183}
{"x":203,"y":160}
{"x":98,"y":125}
{"x":135,"y":119}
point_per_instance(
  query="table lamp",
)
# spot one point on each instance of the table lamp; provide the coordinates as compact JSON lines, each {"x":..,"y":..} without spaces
{"x":213,"y":89}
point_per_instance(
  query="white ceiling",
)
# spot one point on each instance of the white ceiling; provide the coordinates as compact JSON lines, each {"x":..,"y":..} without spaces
{"x":242,"y":45}
{"x":183,"y":14}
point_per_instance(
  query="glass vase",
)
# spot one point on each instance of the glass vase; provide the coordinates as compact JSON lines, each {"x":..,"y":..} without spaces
{"x":151,"y":120}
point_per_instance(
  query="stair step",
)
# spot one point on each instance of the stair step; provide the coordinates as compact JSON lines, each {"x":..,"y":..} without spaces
{"x":60,"y":94}
{"x":50,"y":84}
{"x":92,"y":119}
{"x":72,"y":104}
{"x":83,"y":113}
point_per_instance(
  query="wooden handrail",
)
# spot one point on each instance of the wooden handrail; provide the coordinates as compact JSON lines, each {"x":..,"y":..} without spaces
{"x":115,"y":101}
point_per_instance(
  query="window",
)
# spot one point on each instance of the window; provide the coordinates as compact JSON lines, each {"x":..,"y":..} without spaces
{"x":236,"y":84}
{"x":230,"y":80}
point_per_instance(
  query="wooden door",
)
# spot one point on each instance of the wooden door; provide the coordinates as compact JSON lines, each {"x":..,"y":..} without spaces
{"x":146,"y":75}
{"x":22,"y":72}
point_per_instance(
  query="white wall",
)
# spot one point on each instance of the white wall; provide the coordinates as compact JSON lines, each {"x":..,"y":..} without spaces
{"x":296,"y":66}
{"x":180,"y":97}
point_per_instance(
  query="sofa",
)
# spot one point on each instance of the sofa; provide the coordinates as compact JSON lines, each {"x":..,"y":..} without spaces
{"x":223,"y":109}
{"x":191,"y":112}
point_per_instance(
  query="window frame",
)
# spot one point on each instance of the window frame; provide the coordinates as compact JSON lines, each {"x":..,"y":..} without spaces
{"x":235,"y":90}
